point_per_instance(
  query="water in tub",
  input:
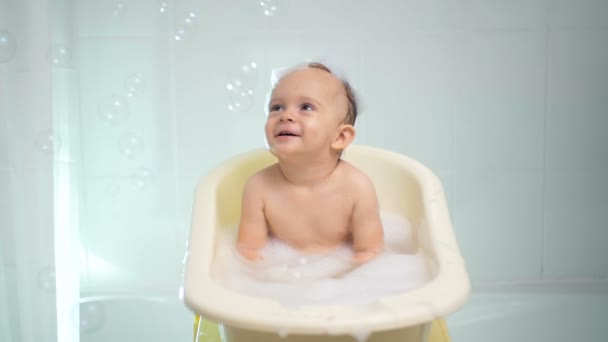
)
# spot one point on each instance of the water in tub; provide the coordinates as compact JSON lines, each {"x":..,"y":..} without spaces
{"x":293,"y":278}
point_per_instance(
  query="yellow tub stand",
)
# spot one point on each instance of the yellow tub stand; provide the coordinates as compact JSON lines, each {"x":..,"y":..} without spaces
{"x":207,"y":331}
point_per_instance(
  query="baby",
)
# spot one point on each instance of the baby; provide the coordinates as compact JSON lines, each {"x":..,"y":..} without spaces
{"x":311,"y":199}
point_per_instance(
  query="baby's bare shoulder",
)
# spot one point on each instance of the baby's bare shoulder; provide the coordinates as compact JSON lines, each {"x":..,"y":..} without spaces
{"x":355,"y":177}
{"x":261,"y":178}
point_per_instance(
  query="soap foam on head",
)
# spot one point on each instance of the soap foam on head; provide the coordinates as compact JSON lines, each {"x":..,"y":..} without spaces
{"x":295,"y":279}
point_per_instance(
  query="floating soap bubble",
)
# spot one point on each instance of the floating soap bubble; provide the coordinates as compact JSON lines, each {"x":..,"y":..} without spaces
{"x":113,"y":109}
{"x":248,"y":74}
{"x":241,"y":87}
{"x":240,"y":100}
{"x":270,"y":8}
{"x":135,"y":85}
{"x":92,"y":317}
{"x":185,"y":27}
{"x":119,"y":9}
{"x":61,"y":56}
{"x":46,"y":278}
{"x":8,"y":46}
{"x":141,"y":179}
{"x":131,"y":145}
{"x":47,"y":142}
{"x":163,"y":7}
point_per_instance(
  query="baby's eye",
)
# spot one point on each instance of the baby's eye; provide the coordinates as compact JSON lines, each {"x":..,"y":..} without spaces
{"x":276,"y":107}
{"x":307,"y":106}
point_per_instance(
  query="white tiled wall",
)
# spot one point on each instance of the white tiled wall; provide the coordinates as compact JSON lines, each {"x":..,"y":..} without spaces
{"x":8,"y":321}
{"x":497,"y":152}
{"x":479,"y":91}
{"x":128,"y":224}
{"x":7,"y":252}
{"x":576,"y":234}
{"x":578,"y":15}
{"x":500,"y":98}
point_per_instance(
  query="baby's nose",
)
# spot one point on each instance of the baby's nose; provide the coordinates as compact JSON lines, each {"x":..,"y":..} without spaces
{"x":287,"y":115}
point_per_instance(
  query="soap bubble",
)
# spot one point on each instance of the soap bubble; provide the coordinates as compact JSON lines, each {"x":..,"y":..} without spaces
{"x":164,"y":7}
{"x":47,"y":142}
{"x":92,"y":317}
{"x":46,"y":278}
{"x":240,"y":100}
{"x":135,"y":85}
{"x":113,"y":109}
{"x":131,"y":145}
{"x":270,"y":7}
{"x":61,"y":56}
{"x":241,"y":87}
{"x":8,"y":46}
{"x":141,"y":179}
{"x":119,"y":9}
{"x":185,"y":27}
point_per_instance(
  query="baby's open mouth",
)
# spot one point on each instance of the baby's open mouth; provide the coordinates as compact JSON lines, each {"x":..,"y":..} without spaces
{"x":286,"y":134}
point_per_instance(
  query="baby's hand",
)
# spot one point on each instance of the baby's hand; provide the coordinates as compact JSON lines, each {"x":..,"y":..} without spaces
{"x":251,"y":254}
{"x":363,"y":257}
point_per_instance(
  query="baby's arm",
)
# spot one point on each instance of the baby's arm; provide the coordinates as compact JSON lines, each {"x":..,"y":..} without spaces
{"x":253,"y":231}
{"x":368,"y":235}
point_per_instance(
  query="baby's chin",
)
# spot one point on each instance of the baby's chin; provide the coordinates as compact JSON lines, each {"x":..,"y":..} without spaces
{"x":273,"y":150}
{"x":282,"y":152}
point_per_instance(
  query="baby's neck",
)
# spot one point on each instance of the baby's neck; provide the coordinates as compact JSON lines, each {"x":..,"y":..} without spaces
{"x":308,"y":173}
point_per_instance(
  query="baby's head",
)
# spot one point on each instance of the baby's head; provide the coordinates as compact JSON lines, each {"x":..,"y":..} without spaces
{"x":310,"y":108}
{"x":351,"y":112}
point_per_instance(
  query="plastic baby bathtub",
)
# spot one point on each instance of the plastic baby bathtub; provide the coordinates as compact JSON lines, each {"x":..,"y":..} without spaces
{"x":404,"y":186}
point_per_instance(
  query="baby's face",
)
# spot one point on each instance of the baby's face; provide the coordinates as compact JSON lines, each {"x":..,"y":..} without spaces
{"x":306,"y":109}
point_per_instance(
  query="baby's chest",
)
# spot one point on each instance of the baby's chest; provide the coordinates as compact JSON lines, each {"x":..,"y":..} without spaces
{"x":328,"y":210}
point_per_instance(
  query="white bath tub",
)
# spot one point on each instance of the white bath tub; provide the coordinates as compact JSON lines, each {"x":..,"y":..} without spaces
{"x":404,"y":186}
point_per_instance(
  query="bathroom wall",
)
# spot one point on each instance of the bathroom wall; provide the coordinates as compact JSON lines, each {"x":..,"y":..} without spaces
{"x":112,"y":110}
{"x":505,"y":100}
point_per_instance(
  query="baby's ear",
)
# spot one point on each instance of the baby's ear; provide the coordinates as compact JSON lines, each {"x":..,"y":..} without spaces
{"x":346,"y":135}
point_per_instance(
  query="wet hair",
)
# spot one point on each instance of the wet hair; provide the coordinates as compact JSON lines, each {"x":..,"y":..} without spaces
{"x":351,"y":114}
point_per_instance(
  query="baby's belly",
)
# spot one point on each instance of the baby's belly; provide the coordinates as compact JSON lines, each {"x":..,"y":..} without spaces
{"x":316,"y":248}
{"x":313,"y":244}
